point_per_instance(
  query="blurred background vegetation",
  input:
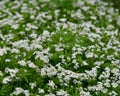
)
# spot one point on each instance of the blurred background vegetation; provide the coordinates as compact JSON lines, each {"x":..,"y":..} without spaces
{"x":67,"y":3}
{"x":116,"y":3}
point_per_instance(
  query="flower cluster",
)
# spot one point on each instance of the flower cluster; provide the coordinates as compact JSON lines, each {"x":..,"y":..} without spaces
{"x":59,"y":48}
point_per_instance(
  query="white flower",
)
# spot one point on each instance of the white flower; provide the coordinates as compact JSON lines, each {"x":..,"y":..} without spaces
{"x":92,"y":73}
{"x":59,"y":47}
{"x":15,"y":26}
{"x":6,"y":80}
{"x":85,"y":63}
{"x":118,"y":21}
{"x":26,"y":92}
{"x":7,"y":60}
{"x":93,"y":17}
{"x":18,"y":91}
{"x":113,"y":93}
{"x":116,"y":71}
{"x":3,"y":51}
{"x":40,"y":90}
{"x":114,"y":84}
{"x":32,"y":17}
{"x":107,"y":69}
{"x":43,"y":55}
{"x":107,"y":83}
{"x":105,"y":74}
{"x":89,"y":55}
{"x":105,"y":90}
{"x":31,"y":64}
{"x":84,"y":93}
{"x":50,"y":71}
{"x":21,"y":44}
{"x":1,"y":74}
{"x":98,"y":63}
{"x":74,"y":55}
{"x":63,"y":19}
{"x":22,"y":33}
{"x":22,"y":63}
{"x":46,"y":33}
{"x":12,"y":72}
{"x":30,"y":26}
{"x":33,"y":35}
{"x":50,"y":94}
{"x":52,"y":84}
{"x":62,"y":93}
{"x":32,"y":85}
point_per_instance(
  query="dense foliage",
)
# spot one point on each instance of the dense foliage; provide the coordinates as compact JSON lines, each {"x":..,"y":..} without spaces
{"x":59,"y":48}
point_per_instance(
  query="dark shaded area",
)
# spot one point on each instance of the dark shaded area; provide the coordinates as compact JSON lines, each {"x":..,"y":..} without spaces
{"x":116,"y":3}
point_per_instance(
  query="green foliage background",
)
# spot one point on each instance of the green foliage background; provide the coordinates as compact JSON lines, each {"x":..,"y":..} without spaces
{"x":116,"y":3}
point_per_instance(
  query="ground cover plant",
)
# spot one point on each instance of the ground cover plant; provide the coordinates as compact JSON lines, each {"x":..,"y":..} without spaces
{"x":59,"y":48}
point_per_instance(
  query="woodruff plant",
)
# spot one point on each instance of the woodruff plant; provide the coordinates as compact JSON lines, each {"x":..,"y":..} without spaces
{"x":59,"y":48}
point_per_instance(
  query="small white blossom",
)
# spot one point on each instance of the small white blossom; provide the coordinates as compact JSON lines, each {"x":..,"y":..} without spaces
{"x":18,"y":91}
{"x":1,"y":74}
{"x":62,"y":93}
{"x":89,"y":55}
{"x":114,"y":84}
{"x":32,"y":85}
{"x":113,"y":93}
{"x":85,"y":63}
{"x":6,"y":80}
{"x":15,"y":26}
{"x":3,"y":51}
{"x":52,"y":84}
{"x":22,"y":63}
{"x":41,"y":90}
{"x":12,"y":72}
{"x":26,"y":92}
{"x":7,"y":60}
